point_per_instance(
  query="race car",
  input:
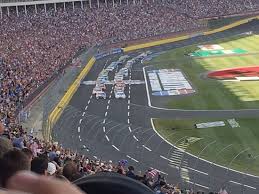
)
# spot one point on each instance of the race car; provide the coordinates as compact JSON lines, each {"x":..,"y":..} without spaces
{"x":100,"y":85}
{"x":120,"y":94}
{"x":101,"y":95}
{"x":124,"y":71}
{"x":118,"y":88}
{"x":120,"y":83}
{"x":118,"y":77}
{"x":96,"y":90}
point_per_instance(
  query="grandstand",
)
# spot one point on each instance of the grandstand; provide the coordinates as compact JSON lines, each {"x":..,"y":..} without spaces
{"x":44,"y":46}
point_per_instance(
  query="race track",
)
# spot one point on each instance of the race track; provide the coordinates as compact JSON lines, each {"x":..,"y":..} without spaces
{"x":115,"y":129}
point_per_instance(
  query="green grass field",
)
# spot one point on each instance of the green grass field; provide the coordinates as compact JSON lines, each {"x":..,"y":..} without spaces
{"x":218,"y":95}
{"x":228,"y":141}
{"x":224,"y":95}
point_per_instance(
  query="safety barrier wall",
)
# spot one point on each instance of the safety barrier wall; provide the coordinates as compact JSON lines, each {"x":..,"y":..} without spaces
{"x":57,"y":111}
{"x":170,"y":40}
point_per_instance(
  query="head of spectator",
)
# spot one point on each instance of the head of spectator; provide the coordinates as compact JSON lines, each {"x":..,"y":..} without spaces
{"x":28,"y":152}
{"x":12,"y":162}
{"x":39,"y":165}
{"x":18,"y":142}
{"x":5,"y":146}
{"x":52,"y":169}
{"x":1,"y":128}
{"x":130,"y":172}
{"x":70,"y":171}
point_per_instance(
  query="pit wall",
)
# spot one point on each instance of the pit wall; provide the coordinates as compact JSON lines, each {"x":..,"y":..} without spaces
{"x":57,"y":111}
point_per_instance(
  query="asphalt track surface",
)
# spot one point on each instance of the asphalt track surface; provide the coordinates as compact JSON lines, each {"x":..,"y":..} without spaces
{"x":115,"y":129}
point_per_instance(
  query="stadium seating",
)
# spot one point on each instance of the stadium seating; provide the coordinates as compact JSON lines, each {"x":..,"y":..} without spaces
{"x":35,"y":47}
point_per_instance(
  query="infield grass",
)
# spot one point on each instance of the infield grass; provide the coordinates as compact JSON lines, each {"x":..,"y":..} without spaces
{"x":241,"y":142}
{"x":219,"y":95}
{"x":215,"y":94}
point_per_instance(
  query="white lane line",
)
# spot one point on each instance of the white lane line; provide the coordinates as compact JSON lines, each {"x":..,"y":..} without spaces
{"x":106,"y":114}
{"x":79,"y":136}
{"x":129,"y":96}
{"x":128,"y":121}
{"x":145,"y":77}
{"x":129,"y":128}
{"x":111,"y":92}
{"x":107,"y":107}
{"x":104,"y":120}
{"x":159,"y":171}
{"x":197,"y":184}
{"x":91,"y":96}
{"x":237,"y":183}
{"x":80,"y":139}
{"x":109,"y":101}
{"x":128,"y":114}
{"x":198,"y":171}
{"x":95,"y":157}
{"x":88,"y":101}
{"x":166,"y":159}
{"x":135,"y":137}
{"x":129,"y":91}
{"x":104,"y":129}
{"x":86,"y":107}
{"x":110,"y":96}
{"x":107,"y":138}
{"x":116,"y":148}
{"x":128,"y":101}
{"x":78,"y":129}
{"x":147,"y":148}
{"x":132,"y":159}
{"x":128,"y":107}
{"x":80,"y":121}
{"x":83,"y":114}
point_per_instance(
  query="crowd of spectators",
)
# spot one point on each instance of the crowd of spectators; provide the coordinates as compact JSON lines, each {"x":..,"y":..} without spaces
{"x":33,"y":47}
{"x":50,"y":159}
{"x":213,"y":8}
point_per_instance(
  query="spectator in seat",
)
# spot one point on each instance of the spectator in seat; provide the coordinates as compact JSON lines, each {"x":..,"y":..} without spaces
{"x":1,"y":128}
{"x":39,"y":165}
{"x":12,"y":162}
{"x":28,"y":152}
{"x":51,"y":169}
{"x":5,"y":146}
{"x":70,"y":171}
{"x":130,"y":172}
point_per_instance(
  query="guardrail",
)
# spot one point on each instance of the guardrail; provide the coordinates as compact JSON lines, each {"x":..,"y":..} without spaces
{"x":57,"y":111}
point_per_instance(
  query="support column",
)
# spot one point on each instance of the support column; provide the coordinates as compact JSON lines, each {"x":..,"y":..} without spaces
{"x":45,"y":8}
{"x":127,"y":2}
{"x":35,"y":7}
{"x":82,"y":5}
{"x":113,"y":3}
{"x":1,"y":12}
{"x":55,"y":7}
{"x":64,"y":4}
{"x":90,"y":3}
{"x":8,"y":11}
{"x":17,"y":11}
{"x":25,"y":9}
{"x":106,"y":3}
{"x":73,"y":4}
{"x":98,"y":3}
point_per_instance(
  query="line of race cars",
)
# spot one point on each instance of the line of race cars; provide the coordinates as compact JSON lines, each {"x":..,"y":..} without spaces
{"x":120,"y":73}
